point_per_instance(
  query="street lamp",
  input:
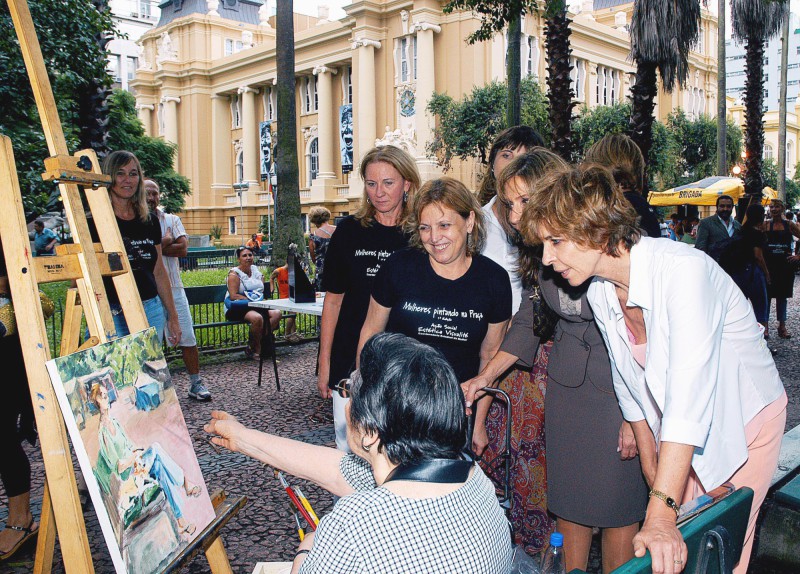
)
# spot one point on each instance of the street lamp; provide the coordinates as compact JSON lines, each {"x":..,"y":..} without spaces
{"x":240,"y":188}
{"x":736,"y":170}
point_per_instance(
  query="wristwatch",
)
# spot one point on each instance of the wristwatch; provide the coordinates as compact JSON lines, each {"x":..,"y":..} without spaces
{"x":668,"y":500}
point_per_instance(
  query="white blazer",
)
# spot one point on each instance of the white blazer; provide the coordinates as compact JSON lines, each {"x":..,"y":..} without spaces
{"x":708,"y":371}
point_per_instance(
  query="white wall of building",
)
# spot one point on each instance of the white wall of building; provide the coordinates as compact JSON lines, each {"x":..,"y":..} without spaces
{"x":132,"y":18}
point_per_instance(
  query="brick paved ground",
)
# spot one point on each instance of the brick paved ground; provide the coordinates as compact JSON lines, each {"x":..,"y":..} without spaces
{"x":263,"y":530}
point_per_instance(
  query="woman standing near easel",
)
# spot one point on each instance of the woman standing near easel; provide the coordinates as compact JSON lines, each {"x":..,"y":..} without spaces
{"x":141,"y":234}
{"x":16,"y":425}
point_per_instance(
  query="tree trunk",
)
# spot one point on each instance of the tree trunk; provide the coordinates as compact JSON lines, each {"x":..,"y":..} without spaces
{"x":559,"y":87}
{"x":641,"y":123}
{"x":782,"y":108}
{"x":93,"y":101}
{"x":513,"y":71}
{"x":754,"y":122}
{"x":287,"y":208}
{"x":722,"y":114}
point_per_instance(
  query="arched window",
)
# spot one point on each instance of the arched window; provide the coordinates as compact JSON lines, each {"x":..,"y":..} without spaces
{"x":312,"y":160}
{"x":768,"y":151}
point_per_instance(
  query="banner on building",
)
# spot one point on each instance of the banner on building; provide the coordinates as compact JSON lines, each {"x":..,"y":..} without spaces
{"x":346,"y":137}
{"x":265,"y":153}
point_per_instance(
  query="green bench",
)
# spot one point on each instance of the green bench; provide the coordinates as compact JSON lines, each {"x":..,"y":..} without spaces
{"x":731,"y":513}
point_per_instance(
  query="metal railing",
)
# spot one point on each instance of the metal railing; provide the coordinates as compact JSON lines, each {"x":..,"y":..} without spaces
{"x":210,"y":338}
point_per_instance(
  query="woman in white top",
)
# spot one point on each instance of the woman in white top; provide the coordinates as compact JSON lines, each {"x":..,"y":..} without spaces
{"x":691,"y":370}
{"x":246,"y":283}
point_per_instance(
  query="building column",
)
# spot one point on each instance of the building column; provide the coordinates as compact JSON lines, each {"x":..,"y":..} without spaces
{"x":250,"y":135}
{"x":325,"y":121}
{"x":222,"y":171}
{"x":171,"y":122}
{"x":145,"y":113}
{"x":171,"y":118}
{"x":426,"y":84}
{"x":365,"y":120}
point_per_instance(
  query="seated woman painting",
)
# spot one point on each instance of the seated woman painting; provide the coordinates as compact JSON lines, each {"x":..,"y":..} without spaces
{"x":128,"y":474}
{"x":411,"y":504}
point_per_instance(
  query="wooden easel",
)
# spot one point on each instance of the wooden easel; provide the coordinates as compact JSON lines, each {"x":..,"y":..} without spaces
{"x":86,"y":263}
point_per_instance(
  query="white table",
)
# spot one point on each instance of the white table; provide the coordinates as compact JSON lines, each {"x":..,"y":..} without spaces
{"x":290,"y":306}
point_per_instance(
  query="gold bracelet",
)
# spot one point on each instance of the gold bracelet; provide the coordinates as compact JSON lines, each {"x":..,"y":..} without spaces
{"x":668,"y":500}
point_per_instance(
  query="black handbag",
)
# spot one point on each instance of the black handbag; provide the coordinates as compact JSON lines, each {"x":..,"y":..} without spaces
{"x":544,"y":318}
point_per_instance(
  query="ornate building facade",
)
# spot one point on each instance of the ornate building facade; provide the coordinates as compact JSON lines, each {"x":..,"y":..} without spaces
{"x":207,"y":77}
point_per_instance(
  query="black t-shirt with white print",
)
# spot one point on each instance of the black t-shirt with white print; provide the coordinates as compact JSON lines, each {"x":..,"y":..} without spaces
{"x":452,"y":316}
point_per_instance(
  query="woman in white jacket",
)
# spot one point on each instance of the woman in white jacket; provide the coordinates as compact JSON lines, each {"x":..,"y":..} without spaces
{"x":691,"y":370}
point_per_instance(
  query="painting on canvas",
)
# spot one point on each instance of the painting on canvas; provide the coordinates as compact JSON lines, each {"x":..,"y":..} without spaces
{"x":131,"y":440}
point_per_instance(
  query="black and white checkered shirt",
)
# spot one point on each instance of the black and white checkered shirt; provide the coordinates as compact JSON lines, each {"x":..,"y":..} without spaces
{"x":377,"y":531}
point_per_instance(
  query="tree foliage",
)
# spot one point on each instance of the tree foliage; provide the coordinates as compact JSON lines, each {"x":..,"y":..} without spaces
{"x":770,"y":174}
{"x":697,"y":141}
{"x":66,"y":31}
{"x":559,"y":85}
{"x":467,"y":127}
{"x":494,"y":15}
{"x":125,"y":131}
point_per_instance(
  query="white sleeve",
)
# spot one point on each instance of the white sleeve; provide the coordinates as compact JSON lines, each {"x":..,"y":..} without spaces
{"x":695,"y":314}
{"x":178,"y":230}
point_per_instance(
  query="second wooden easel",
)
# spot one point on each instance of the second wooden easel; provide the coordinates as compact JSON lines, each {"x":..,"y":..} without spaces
{"x":86,"y":264}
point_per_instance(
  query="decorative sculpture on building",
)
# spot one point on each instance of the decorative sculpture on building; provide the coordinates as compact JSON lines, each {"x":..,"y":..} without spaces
{"x":405,"y":139}
{"x":167,"y":52}
{"x":142,"y":63}
{"x":323,"y":14}
{"x":247,"y":39}
{"x":212,"y":6}
{"x":263,"y":14}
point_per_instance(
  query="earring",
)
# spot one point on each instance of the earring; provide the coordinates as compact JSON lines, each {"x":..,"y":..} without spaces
{"x":365,"y":447}
{"x":368,"y":200}
{"x":405,"y":196}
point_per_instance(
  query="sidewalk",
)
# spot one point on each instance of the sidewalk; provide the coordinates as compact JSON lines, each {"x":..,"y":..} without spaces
{"x":263,"y":530}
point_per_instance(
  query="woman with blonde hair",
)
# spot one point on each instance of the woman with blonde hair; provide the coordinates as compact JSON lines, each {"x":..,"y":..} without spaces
{"x":442,"y":291}
{"x":361,"y":244}
{"x":583,"y":425}
{"x":141,"y":234}
{"x":692,"y":374}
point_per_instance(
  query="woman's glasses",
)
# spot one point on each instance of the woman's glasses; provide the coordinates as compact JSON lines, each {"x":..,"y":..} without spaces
{"x":343,"y":388}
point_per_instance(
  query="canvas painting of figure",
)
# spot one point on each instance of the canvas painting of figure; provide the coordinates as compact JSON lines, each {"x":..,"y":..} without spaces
{"x":134,"y":450}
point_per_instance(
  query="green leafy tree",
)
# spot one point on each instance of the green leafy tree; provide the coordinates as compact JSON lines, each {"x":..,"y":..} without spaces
{"x":697,"y":141}
{"x":754,"y":22}
{"x":662,"y":34}
{"x":770,"y":174}
{"x":594,"y":123}
{"x":495,"y":15}
{"x":66,"y":31}
{"x":467,"y":127}
{"x":287,"y":212}
{"x":125,"y":131}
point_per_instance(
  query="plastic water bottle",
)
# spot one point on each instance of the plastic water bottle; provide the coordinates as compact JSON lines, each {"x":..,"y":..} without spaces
{"x":553,"y":561}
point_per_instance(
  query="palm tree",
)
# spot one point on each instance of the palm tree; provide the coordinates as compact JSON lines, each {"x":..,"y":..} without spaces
{"x":559,"y":88}
{"x":754,"y":22}
{"x":287,"y":208}
{"x":722,"y":114}
{"x":662,"y":34}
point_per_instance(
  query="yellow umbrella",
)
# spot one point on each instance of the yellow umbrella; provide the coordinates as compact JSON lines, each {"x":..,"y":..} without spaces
{"x":705,"y":192}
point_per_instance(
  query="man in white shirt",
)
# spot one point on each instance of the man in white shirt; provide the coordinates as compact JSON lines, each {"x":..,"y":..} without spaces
{"x":174,"y":244}
{"x":718,"y":227}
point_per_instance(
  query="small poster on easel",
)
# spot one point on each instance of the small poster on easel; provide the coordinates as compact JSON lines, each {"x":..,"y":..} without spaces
{"x":134,"y":450}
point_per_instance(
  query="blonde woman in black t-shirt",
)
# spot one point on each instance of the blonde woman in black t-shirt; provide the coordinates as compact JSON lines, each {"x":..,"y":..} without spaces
{"x":362,"y":243}
{"x":141,"y":234}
